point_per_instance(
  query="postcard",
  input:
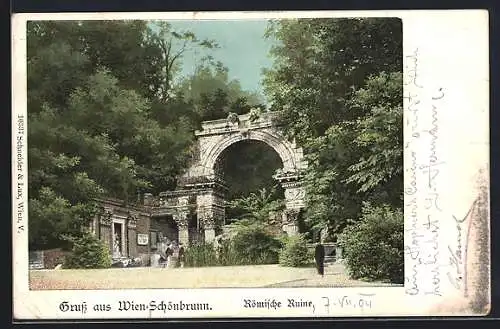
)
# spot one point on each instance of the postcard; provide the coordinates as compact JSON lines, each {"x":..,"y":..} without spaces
{"x":250,"y":164}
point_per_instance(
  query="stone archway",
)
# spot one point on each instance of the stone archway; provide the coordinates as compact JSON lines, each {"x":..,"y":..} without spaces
{"x":202,"y":190}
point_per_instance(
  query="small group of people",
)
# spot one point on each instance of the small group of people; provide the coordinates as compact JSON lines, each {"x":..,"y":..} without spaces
{"x":175,"y":254}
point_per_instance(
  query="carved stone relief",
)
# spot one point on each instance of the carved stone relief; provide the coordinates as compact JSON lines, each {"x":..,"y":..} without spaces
{"x":106,"y":217}
{"x":132,"y":219}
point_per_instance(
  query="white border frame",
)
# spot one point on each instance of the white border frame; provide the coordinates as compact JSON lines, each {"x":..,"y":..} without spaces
{"x":452,"y":49}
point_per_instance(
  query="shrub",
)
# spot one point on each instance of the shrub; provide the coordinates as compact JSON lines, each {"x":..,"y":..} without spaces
{"x":249,"y":245}
{"x":254,"y":245}
{"x":295,"y":252}
{"x":88,"y":252}
{"x":373,"y":247}
{"x":227,"y":256}
{"x":199,"y":255}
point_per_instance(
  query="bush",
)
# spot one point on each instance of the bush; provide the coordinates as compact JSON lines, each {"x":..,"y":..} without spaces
{"x":295,"y":252}
{"x":373,"y":247}
{"x":227,"y":256}
{"x":88,"y":252}
{"x":250,"y":245}
{"x":199,"y":255}
{"x":254,"y":245}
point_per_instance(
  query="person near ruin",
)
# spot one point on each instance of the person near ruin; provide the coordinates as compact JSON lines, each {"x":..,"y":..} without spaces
{"x":173,"y":257}
{"x":116,"y":246}
{"x":168,"y":253}
{"x":181,"y":255}
{"x":319,"y":257}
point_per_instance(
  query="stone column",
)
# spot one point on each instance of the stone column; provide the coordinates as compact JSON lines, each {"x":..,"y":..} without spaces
{"x":181,"y":218}
{"x":209,"y":226}
{"x":294,"y":202}
{"x":290,"y":222}
{"x":132,"y":235}
{"x":206,"y":218}
{"x":206,"y":215}
{"x":105,"y":222}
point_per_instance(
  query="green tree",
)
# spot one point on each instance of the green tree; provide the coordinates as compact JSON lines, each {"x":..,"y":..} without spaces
{"x":295,"y":252}
{"x":257,"y":207}
{"x":90,"y":130}
{"x":373,"y":246}
{"x":320,"y":63}
{"x":214,"y":95}
{"x":248,"y":166}
{"x":170,"y":46}
{"x":88,"y":252}
{"x":73,"y":160}
{"x":336,"y":84}
{"x":105,"y":117}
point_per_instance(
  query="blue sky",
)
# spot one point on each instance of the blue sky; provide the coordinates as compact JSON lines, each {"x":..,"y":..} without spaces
{"x":243,"y":48}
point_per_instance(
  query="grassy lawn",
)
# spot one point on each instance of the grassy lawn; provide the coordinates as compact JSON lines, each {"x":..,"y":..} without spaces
{"x":202,"y":277}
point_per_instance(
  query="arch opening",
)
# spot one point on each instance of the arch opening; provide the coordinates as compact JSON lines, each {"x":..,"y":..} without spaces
{"x":248,"y":166}
{"x":283,"y":148}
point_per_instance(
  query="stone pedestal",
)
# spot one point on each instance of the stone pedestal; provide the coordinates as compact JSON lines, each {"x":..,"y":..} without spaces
{"x":210,"y":210}
{"x":290,"y":221}
{"x":184,"y":235}
{"x":181,"y":218}
{"x":291,"y":229}
{"x":132,"y":235}
{"x":209,"y":235}
{"x":294,"y":201}
{"x":338,"y":254}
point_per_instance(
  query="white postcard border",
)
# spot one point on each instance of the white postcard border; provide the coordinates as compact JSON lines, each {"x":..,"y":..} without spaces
{"x":445,"y":67}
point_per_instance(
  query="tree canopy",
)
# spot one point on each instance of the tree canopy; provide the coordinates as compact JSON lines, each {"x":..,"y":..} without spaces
{"x":337,"y":85}
{"x":110,"y":117}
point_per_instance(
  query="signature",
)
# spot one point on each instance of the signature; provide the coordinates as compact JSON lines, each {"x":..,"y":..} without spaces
{"x":458,"y":256}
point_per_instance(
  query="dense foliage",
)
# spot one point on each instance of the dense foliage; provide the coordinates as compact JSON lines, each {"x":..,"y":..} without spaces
{"x":256,"y":245}
{"x":250,"y":245}
{"x":88,"y":252}
{"x":109,"y":115}
{"x":251,"y":239}
{"x":337,"y":86}
{"x":295,"y":252}
{"x":373,"y":247}
{"x":200,"y":255}
{"x":258,"y":207}
{"x":248,"y":166}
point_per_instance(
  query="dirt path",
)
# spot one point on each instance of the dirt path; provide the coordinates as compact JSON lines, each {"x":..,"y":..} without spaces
{"x":253,"y":276}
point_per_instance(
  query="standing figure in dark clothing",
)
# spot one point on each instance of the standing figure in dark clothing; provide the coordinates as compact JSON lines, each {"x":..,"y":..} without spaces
{"x":319,"y":257}
{"x":181,"y":255}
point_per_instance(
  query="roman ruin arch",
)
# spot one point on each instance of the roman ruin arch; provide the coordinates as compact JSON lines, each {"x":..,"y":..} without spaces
{"x":201,"y":189}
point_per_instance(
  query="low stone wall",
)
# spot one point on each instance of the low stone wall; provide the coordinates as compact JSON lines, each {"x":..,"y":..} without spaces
{"x":333,"y":253}
{"x":35,"y":260}
{"x":145,"y":259}
{"x":53,"y":257}
{"x":46,"y":259}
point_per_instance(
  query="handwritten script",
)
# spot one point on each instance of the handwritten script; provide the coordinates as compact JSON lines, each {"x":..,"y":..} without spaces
{"x":422,"y":195}
{"x":429,"y":261}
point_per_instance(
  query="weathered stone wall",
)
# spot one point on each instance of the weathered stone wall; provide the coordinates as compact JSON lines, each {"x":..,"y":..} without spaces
{"x":166,"y":227}
{"x":134,"y":220}
{"x":142,"y":227}
{"x":106,"y":236}
{"x":53,"y":257}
